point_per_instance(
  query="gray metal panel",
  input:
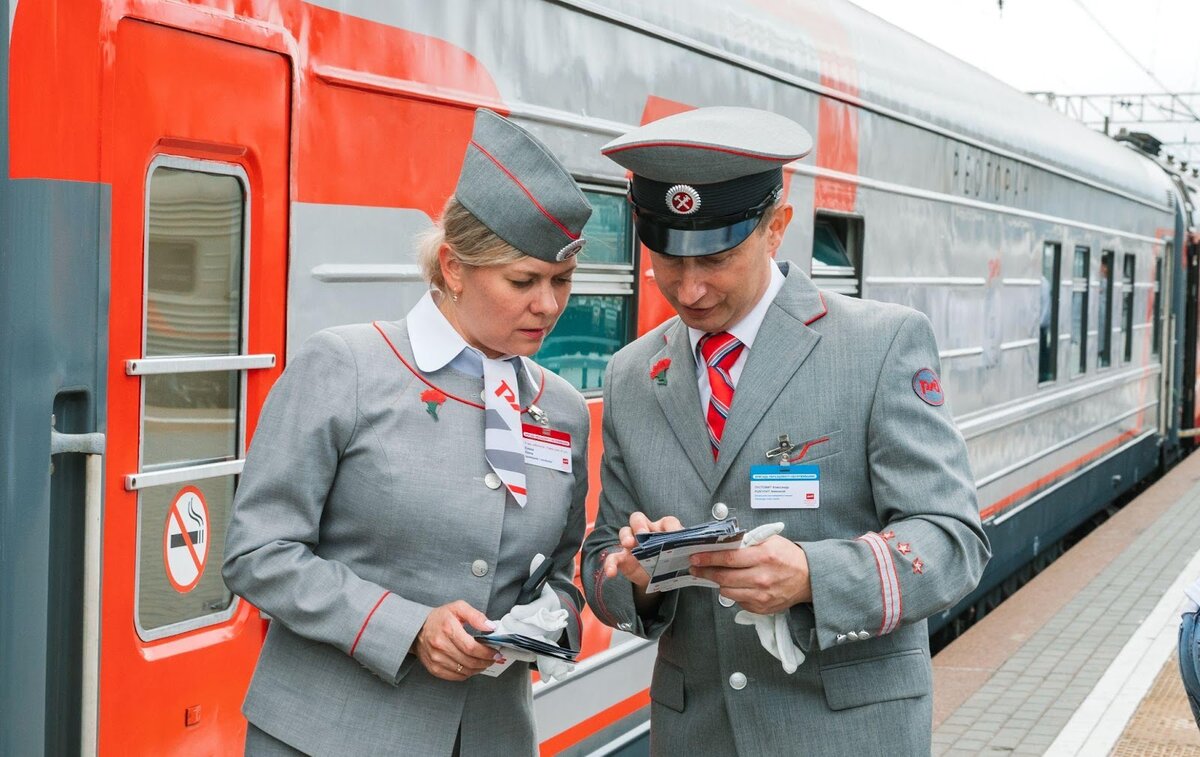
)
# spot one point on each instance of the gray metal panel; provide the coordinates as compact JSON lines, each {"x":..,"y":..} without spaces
{"x":54,"y":245}
{"x":353,"y":238}
{"x":575,"y":60}
{"x":54,"y":274}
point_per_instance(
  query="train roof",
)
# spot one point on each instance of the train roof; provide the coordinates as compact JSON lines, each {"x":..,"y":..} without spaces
{"x":900,"y":75}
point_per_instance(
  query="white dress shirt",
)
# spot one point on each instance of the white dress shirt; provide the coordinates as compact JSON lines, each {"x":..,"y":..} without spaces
{"x":745,"y":330}
{"x":435,"y":343}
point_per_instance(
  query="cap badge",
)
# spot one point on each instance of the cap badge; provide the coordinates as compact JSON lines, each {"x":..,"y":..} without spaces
{"x":572,"y":248}
{"x":683,"y":200}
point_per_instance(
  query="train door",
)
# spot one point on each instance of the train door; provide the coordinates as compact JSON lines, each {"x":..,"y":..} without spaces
{"x":1191,"y":312}
{"x":198,"y":158}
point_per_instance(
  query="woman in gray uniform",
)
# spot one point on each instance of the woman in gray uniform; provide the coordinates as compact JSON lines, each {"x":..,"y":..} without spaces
{"x":404,"y":476}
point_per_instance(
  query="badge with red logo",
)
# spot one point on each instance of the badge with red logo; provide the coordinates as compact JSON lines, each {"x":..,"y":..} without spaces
{"x":925,"y":383}
{"x":683,"y":200}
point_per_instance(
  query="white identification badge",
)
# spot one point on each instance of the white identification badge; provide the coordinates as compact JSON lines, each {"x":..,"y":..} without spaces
{"x":547,"y":448}
{"x":779,"y":487}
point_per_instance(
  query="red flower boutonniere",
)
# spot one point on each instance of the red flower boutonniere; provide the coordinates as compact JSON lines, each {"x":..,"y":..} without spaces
{"x":433,"y":399}
{"x":659,"y":371}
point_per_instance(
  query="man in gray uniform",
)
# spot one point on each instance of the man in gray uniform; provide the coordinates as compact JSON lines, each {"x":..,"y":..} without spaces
{"x":840,"y":398}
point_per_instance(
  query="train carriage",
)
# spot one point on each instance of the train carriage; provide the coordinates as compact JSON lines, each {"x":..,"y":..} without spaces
{"x":190,"y":188}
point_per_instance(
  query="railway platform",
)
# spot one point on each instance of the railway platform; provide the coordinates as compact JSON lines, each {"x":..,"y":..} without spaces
{"x":1082,"y":659}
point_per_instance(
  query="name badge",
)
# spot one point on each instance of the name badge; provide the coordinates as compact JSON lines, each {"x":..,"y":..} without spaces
{"x":547,"y":448}
{"x":779,"y":487}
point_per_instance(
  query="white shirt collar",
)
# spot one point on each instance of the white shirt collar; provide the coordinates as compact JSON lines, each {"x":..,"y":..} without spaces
{"x":746,"y":329}
{"x":435,"y":343}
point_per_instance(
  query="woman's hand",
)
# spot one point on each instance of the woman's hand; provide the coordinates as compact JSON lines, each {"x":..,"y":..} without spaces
{"x":446,"y":649}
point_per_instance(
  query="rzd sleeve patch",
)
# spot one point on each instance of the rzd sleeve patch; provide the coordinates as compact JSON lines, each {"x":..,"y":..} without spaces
{"x":925,"y":383}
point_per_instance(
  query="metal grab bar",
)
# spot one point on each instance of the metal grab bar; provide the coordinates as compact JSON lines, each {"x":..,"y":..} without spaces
{"x":91,"y":445}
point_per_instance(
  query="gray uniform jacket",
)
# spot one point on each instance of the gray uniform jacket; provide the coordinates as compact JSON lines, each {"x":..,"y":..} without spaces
{"x":895,"y":539}
{"x":358,"y":513}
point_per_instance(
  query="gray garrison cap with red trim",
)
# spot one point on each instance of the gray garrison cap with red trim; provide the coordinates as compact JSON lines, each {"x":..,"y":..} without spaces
{"x":513,"y":184}
{"x":703,"y":179}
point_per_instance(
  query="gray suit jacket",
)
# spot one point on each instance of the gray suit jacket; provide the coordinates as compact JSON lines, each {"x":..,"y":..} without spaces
{"x":896,"y":489}
{"x":357,"y":513}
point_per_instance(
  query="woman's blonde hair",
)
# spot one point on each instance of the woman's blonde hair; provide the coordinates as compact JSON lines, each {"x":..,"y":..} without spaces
{"x":470,"y":241}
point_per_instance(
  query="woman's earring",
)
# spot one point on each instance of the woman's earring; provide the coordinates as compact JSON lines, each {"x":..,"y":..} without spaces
{"x":454,"y":296}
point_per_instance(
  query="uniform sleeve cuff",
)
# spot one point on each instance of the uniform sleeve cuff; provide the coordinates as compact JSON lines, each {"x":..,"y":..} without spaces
{"x":615,"y":606}
{"x":572,"y":602}
{"x":846,"y":590}
{"x":387,"y":635}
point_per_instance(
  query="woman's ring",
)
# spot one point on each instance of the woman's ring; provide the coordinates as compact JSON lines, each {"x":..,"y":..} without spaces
{"x":459,"y":668}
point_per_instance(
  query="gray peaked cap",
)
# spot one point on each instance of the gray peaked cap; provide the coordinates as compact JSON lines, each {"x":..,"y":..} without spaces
{"x":513,"y":184}
{"x":710,"y":145}
{"x":703,"y":179}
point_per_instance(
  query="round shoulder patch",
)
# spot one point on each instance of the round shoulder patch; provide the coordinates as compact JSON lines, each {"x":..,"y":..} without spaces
{"x":925,"y":383}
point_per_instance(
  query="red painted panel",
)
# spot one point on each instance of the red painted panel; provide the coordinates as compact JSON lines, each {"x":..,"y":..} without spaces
{"x":54,"y":92}
{"x":365,"y":148}
{"x":354,"y":146}
{"x":201,"y":97}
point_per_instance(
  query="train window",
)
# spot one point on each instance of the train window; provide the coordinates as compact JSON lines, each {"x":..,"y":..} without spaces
{"x":1104,"y":320}
{"x":599,"y":317}
{"x":1048,"y":328}
{"x":1080,"y":284}
{"x":193,"y":399}
{"x":1156,"y":293}
{"x":174,"y":269}
{"x":837,"y":253}
{"x":1129,"y":265}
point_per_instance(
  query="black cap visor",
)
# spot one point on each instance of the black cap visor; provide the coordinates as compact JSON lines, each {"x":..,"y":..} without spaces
{"x":690,"y":243}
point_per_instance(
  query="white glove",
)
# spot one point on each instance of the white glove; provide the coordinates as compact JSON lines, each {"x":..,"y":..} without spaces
{"x":773,"y":630}
{"x":775,"y":635}
{"x":554,"y":669}
{"x":544,"y":618}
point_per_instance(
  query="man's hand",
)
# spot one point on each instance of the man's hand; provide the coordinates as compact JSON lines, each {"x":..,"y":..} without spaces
{"x":623,"y":561}
{"x":764,"y":579}
{"x":446,"y":649}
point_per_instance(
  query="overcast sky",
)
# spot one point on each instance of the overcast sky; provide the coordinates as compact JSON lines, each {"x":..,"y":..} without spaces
{"x":1055,"y":45}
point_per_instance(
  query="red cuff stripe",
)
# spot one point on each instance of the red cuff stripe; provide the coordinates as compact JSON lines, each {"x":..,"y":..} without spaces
{"x":567,"y":603}
{"x":889,"y":582}
{"x":882,"y":585}
{"x":354,"y":646}
{"x":893,"y":582}
{"x":599,"y":577}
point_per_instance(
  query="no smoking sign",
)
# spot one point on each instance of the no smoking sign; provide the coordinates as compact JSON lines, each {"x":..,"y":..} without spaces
{"x":185,"y":539}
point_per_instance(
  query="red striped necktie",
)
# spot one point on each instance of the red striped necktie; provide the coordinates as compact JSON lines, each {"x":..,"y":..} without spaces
{"x":720,"y":351}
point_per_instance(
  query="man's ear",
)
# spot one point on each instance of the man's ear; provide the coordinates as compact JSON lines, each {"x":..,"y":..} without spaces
{"x":777,"y":226}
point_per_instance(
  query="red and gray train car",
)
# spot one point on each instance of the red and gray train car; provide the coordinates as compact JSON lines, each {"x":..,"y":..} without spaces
{"x":189,"y":188}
